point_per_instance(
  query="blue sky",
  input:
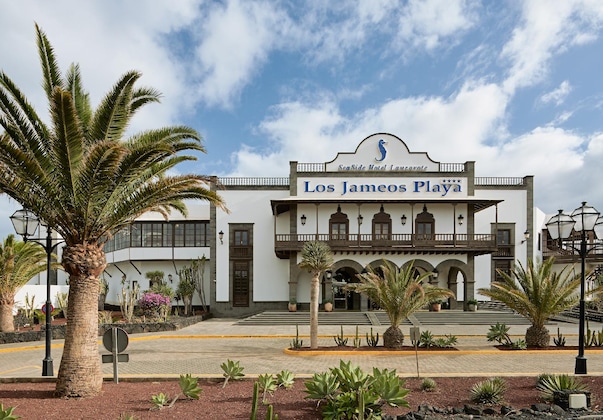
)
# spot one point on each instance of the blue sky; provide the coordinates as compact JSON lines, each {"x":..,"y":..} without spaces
{"x":516,"y":86}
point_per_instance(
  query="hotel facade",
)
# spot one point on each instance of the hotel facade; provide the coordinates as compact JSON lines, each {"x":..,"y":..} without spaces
{"x":376,"y":202}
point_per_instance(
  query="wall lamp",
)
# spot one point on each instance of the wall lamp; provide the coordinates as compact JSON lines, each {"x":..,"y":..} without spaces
{"x":435,"y":273}
{"x":360,"y":219}
{"x":526,"y":236}
{"x":303,"y":219}
{"x":170,"y":278}
{"x":461,"y":219}
{"x":221,"y":237}
{"x":403,"y":219}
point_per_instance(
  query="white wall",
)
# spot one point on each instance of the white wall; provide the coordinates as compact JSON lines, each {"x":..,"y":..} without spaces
{"x":38,"y":293}
{"x":270,"y":274}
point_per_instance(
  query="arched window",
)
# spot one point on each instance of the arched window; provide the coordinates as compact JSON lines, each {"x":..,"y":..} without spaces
{"x":382,"y":225}
{"x":339,"y":225}
{"x":425,"y":225}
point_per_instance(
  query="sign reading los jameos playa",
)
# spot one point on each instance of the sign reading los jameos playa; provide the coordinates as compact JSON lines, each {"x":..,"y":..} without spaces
{"x":383,"y":154}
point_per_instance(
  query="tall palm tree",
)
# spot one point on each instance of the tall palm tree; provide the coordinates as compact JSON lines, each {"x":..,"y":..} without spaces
{"x":536,"y":293}
{"x":316,"y":258}
{"x":19,"y":262}
{"x":86,"y":180}
{"x":399,"y":292}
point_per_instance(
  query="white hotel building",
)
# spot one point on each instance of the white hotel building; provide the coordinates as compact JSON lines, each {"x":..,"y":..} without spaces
{"x":378,"y":202}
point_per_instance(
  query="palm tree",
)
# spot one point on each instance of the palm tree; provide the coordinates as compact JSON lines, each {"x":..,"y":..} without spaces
{"x":536,"y":293}
{"x":316,"y":258}
{"x":399,"y":292}
{"x":19,"y":262}
{"x":86,"y":180}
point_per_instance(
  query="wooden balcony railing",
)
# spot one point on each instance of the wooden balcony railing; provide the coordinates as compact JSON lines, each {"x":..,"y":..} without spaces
{"x":568,"y":252}
{"x":396,"y":243}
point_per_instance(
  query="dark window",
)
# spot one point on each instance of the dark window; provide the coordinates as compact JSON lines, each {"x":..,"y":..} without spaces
{"x":338,"y":225}
{"x":160,"y":234}
{"x":241,"y":238}
{"x":382,"y":225}
{"x":425,"y":225}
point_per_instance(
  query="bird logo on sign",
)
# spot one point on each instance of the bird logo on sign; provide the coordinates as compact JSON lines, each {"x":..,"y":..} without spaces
{"x":382,"y":150}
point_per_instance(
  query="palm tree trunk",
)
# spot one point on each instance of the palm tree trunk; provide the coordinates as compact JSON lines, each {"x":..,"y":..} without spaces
{"x":80,"y":373}
{"x":314,"y":290}
{"x":6,"y":317}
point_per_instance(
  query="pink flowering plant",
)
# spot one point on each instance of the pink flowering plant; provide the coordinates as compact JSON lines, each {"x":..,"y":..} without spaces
{"x":154,"y":304}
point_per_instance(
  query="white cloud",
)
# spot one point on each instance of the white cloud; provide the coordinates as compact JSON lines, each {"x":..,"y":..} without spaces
{"x":426,"y":24}
{"x":235,"y":41}
{"x":311,"y":132}
{"x":558,"y":95}
{"x":547,"y":28}
{"x":107,"y":39}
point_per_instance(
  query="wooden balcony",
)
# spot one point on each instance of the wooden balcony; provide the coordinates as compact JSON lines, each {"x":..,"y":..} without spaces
{"x":444,"y":243}
{"x":568,"y":252}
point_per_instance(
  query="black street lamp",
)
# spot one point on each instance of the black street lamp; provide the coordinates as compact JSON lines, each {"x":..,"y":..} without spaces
{"x":560,"y":226}
{"x":26,"y":224}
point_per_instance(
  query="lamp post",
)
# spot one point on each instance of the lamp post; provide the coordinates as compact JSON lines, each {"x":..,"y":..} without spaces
{"x":26,"y":224}
{"x":584,"y":218}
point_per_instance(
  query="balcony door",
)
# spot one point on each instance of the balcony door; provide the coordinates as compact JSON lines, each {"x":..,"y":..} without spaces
{"x":382,"y":225}
{"x":339,"y":226}
{"x":425,"y":226}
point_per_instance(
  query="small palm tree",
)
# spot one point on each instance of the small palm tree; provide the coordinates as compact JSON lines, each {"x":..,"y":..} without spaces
{"x":536,"y":293}
{"x":19,"y":262}
{"x":399,"y":292}
{"x":316,"y":258}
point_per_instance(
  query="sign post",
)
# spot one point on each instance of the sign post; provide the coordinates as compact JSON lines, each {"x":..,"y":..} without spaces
{"x":415,"y":336}
{"x":116,"y":341}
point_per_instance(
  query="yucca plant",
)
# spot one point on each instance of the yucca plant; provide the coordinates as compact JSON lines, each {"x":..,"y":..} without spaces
{"x":548,"y":383}
{"x":428,"y":385}
{"x":490,"y":391}
{"x":399,"y":292}
{"x":537,"y":293}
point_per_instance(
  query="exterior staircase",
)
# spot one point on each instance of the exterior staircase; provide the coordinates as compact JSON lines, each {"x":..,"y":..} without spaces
{"x":444,"y":317}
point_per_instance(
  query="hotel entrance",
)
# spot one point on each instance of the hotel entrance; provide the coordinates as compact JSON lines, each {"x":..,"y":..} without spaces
{"x":345,"y":299}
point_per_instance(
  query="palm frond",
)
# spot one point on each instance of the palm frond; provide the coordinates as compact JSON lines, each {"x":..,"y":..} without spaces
{"x":536,"y":292}
{"x":50,"y":68}
{"x":400,"y":292}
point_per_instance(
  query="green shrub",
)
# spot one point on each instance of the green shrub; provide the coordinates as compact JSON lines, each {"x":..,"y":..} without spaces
{"x":500,"y":334}
{"x":548,"y":383}
{"x":189,"y":386}
{"x":7,"y":414}
{"x":428,"y":385}
{"x":285,"y":379}
{"x":490,"y":391}
{"x":349,"y":393}
{"x":232,"y":370}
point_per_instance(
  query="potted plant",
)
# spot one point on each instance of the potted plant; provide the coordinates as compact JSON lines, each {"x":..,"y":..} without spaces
{"x":292,"y":305}
{"x":472,"y":305}
{"x":435,"y":305}
{"x":328,"y":305}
